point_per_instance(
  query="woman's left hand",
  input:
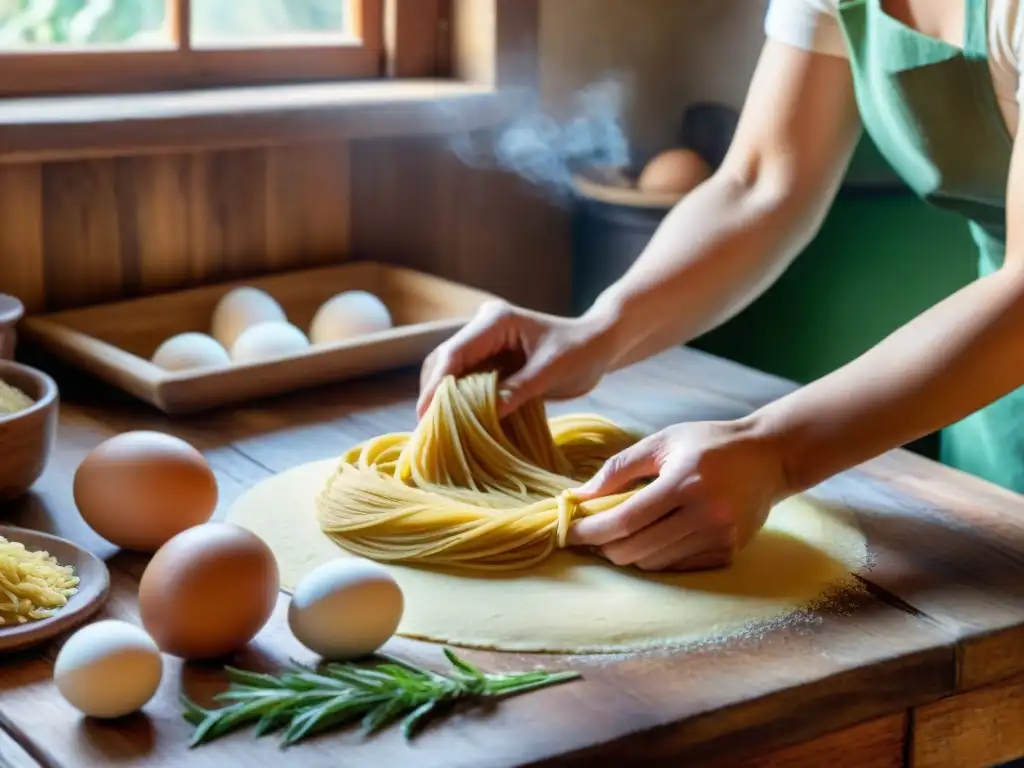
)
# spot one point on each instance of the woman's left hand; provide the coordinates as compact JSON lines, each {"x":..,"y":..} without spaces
{"x":714,"y":485}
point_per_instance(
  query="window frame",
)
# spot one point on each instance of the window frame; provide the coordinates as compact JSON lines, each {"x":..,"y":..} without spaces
{"x":53,"y":71}
{"x":480,"y":60}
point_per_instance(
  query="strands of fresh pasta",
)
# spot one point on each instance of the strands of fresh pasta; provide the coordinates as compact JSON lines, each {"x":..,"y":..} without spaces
{"x":32,"y":584}
{"x":466,"y":488}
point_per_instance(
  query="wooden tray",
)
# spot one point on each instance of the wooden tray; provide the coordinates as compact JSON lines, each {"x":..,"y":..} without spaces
{"x":115,"y":341}
{"x":92,"y":590}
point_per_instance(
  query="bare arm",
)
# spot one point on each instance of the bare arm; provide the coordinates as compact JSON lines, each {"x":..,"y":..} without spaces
{"x":731,"y":238}
{"x":718,"y":249}
{"x":948,"y":362}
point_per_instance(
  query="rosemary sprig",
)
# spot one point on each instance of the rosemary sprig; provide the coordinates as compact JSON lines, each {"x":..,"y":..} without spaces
{"x":305,"y":700}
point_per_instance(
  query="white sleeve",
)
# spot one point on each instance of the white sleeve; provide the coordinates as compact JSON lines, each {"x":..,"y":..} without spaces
{"x":812,"y":25}
{"x":1005,"y":45}
{"x":1013,"y":40}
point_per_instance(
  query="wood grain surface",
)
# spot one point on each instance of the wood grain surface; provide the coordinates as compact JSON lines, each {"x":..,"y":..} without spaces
{"x":415,"y":36}
{"x":27,"y":437}
{"x":877,"y":743}
{"x":475,"y":225}
{"x":83,"y":232}
{"x":798,"y":688}
{"x":981,"y":727}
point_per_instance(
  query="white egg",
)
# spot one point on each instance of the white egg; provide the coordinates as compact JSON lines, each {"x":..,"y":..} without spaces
{"x":346,"y":608}
{"x":266,"y":340}
{"x":187,"y":351}
{"x":349,"y":314}
{"x":242,"y":308}
{"x":108,"y":669}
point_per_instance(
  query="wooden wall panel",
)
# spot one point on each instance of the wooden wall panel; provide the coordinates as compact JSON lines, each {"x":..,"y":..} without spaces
{"x":307,"y":204}
{"x":82,"y":233}
{"x":91,"y":231}
{"x":157,"y":199}
{"x":394,"y":204}
{"x":21,"y":233}
{"x":415,"y":203}
{"x":227,"y":214}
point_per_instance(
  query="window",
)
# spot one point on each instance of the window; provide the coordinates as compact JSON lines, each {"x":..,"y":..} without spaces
{"x":95,"y":46}
{"x":157,"y":74}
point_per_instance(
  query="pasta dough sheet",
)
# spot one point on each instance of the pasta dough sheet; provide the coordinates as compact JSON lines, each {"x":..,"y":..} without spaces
{"x":572,"y":602}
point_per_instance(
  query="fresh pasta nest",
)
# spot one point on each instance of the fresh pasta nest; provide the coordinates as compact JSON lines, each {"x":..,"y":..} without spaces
{"x":32,"y":584}
{"x":466,"y":488}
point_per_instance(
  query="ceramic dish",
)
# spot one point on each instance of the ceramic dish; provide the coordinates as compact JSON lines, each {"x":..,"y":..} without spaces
{"x":92,"y":590}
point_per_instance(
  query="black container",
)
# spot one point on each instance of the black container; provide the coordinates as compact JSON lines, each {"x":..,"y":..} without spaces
{"x":606,"y":240}
{"x":608,"y":237}
{"x":708,"y":129}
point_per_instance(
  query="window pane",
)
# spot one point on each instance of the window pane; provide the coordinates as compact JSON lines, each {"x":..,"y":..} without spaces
{"x":269,"y":22}
{"x":35,"y":24}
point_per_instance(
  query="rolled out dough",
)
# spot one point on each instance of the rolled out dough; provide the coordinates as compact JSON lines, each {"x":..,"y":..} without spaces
{"x":577,"y":603}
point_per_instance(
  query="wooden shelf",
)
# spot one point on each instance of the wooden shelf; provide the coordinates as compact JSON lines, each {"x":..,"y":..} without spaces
{"x":64,"y":127}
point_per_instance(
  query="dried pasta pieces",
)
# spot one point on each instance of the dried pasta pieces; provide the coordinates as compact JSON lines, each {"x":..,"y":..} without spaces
{"x":33,"y":585}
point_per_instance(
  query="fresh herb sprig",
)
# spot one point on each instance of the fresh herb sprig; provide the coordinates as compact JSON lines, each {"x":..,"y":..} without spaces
{"x":305,"y":700}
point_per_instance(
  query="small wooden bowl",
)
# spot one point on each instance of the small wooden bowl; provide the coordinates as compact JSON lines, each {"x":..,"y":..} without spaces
{"x":11,"y":311}
{"x":613,"y":185}
{"x":26,"y":437}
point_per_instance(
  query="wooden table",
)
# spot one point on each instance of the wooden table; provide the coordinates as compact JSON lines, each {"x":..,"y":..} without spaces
{"x":927,"y":670}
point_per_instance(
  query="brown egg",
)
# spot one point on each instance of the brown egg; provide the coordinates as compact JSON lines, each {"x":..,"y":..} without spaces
{"x":138,"y":489}
{"x":675,"y":171}
{"x":208,"y":591}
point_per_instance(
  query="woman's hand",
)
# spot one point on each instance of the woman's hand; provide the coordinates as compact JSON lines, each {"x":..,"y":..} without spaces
{"x":714,"y":485}
{"x":560,"y":357}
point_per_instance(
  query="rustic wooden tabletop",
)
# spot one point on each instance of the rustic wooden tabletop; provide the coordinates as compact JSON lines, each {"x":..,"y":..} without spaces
{"x":925,"y":669}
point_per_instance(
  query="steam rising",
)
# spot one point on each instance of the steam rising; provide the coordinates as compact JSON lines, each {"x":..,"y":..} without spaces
{"x":546,"y":151}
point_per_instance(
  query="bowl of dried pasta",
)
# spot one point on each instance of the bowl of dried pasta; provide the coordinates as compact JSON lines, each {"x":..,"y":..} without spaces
{"x":28,"y":426}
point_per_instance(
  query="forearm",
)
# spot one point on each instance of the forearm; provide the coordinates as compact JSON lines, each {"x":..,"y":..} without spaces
{"x":950,"y":361}
{"x":717,"y":251}
{"x":730,"y":238}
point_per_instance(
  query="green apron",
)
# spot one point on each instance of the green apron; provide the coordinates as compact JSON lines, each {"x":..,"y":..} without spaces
{"x":931,"y":110}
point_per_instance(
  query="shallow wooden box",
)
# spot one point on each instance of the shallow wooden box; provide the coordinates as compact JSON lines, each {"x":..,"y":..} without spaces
{"x":115,"y":341}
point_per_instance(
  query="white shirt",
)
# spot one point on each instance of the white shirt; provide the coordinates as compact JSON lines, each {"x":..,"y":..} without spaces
{"x":813,"y":25}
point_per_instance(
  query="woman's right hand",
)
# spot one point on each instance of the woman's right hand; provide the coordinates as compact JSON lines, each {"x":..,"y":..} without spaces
{"x":561,"y":357}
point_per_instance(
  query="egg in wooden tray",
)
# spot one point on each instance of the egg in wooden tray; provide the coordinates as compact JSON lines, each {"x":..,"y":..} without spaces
{"x":230,"y":343}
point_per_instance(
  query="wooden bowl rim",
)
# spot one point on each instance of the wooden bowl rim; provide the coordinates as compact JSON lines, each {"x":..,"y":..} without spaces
{"x":594,"y":189}
{"x":45,"y":400}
